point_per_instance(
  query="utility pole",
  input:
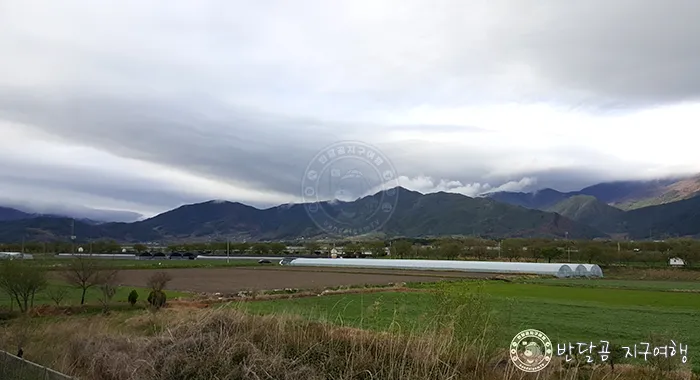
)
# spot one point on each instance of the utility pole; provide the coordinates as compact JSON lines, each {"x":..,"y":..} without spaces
{"x":72,"y":235}
{"x":568,"y":246}
{"x":228,"y":250}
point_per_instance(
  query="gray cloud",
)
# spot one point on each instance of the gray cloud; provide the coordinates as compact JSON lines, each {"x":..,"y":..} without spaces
{"x":241,"y":97}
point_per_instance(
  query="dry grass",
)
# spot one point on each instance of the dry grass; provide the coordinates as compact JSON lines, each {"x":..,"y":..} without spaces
{"x":229,"y":344}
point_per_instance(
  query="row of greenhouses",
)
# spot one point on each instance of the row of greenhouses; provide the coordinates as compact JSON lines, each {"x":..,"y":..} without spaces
{"x":562,"y":270}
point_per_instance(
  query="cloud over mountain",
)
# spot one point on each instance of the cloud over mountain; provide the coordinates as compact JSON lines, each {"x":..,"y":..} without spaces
{"x":142,"y":107}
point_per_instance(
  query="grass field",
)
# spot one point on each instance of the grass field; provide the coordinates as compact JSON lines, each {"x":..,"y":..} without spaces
{"x":72,"y":295}
{"x":562,"y":309}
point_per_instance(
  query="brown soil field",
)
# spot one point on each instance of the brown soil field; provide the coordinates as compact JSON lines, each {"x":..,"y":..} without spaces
{"x":228,"y":280}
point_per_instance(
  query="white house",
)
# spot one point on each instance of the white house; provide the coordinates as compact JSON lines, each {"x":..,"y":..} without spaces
{"x":676,"y":262}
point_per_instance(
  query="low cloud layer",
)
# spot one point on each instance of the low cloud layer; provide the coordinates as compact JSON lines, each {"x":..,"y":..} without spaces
{"x":135,"y":107}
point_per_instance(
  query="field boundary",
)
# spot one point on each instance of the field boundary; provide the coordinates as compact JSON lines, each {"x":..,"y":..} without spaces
{"x":13,"y":367}
{"x":209,"y":301}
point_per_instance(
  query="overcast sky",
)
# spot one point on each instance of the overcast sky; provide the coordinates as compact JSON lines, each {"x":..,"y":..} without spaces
{"x":144,"y":106}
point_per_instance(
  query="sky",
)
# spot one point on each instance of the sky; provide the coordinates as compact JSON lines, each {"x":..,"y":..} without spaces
{"x":145,"y":106}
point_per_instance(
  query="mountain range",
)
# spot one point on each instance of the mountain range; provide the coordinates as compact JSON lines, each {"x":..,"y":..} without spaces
{"x":624,"y":195}
{"x":636,"y":210}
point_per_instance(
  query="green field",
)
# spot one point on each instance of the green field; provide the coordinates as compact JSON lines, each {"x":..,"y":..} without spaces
{"x":623,"y":312}
{"x":669,"y":286}
{"x":92,"y":296}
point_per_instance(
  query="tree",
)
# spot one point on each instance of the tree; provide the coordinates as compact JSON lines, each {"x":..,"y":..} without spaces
{"x":22,"y":280}
{"x":551,"y":253}
{"x":277,"y":248}
{"x":450,"y":249}
{"x":377,"y":248}
{"x":592,"y":253}
{"x":512,"y":248}
{"x":400,"y":248}
{"x":535,"y":251}
{"x":140,"y":248}
{"x":83,"y":273}
{"x":242,"y":248}
{"x":157,"y":282}
{"x":57,"y":294}
{"x":261,"y":249}
{"x":133,"y":297}
{"x":479,"y":251}
{"x":312,"y":247}
{"x":107,"y":283}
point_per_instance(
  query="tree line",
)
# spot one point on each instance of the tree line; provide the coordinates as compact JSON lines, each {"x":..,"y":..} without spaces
{"x":516,"y":249}
{"x":22,"y":280}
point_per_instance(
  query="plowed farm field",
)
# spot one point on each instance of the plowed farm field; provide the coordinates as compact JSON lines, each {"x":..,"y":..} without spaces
{"x":228,"y":280}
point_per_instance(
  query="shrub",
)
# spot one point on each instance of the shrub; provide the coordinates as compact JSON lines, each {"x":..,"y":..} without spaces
{"x":133,"y":297}
{"x":157,"y":298}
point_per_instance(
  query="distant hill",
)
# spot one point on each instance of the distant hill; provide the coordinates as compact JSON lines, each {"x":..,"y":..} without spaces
{"x":416,"y":215}
{"x":676,"y":219}
{"x":7,"y":214}
{"x":662,"y":192}
{"x":589,"y":210}
{"x":85,"y":214}
{"x":625,"y":195}
{"x":638,"y":209}
{"x":538,"y":200}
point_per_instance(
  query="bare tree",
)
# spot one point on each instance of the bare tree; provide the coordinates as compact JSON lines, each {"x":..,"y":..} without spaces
{"x":57,"y":294}
{"x":22,"y":280}
{"x":157,"y":283}
{"x":107,"y":282}
{"x":159,"y":280}
{"x":82,"y":273}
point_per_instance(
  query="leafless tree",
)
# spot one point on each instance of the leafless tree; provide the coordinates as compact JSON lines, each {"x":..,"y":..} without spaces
{"x":107,"y":281}
{"x":22,"y":280}
{"x":159,"y":280}
{"x":82,"y":273}
{"x":57,"y":294}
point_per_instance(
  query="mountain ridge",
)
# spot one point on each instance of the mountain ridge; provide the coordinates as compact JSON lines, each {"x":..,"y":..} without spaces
{"x":415,"y":215}
{"x":625,"y":195}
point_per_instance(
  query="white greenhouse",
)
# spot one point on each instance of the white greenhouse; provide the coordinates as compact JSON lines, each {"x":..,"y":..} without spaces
{"x":593,"y":270}
{"x":551,"y":269}
{"x":15,"y":255}
{"x":580,"y":270}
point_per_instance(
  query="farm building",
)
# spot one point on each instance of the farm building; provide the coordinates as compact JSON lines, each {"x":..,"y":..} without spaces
{"x":558,"y":270}
{"x":676,"y":262}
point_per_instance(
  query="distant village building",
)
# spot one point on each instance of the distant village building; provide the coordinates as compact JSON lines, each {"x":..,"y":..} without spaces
{"x":676,"y":262}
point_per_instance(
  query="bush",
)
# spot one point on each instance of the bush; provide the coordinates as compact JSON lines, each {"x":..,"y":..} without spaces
{"x":157,"y":298}
{"x":133,"y":297}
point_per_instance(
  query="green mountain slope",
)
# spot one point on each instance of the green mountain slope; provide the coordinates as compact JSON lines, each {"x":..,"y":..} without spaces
{"x":681,"y":218}
{"x":588,"y":210}
{"x":415,"y":215}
